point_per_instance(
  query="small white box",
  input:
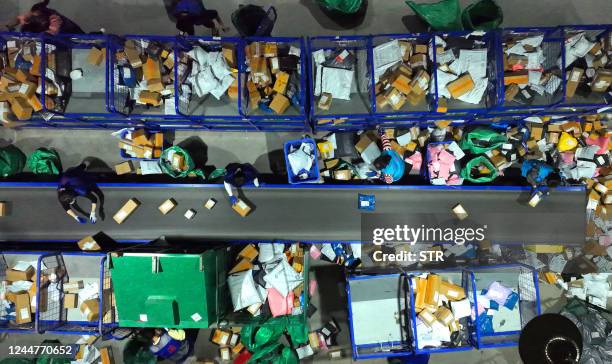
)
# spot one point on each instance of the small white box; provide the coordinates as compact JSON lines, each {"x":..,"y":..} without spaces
{"x":210,"y":203}
{"x":190,"y":214}
{"x":460,"y":212}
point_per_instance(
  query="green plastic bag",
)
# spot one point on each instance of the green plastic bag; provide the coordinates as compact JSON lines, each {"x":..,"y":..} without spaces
{"x":443,"y":15}
{"x":466,"y":172}
{"x":45,"y":161}
{"x":343,"y":6}
{"x":166,"y":165}
{"x":12,"y":161}
{"x":482,"y":15}
{"x":482,"y":140}
{"x":262,"y":339}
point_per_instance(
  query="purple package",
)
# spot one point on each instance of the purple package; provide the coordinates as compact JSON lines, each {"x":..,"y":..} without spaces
{"x":498,"y":293}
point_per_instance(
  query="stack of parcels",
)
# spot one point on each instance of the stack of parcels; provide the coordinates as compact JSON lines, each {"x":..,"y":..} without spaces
{"x":301,"y":160}
{"x":203,"y":72}
{"x":18,"y":294}
{"x":529,"y":69}
{"x":268,"y":273}
{"x":138,"y":143}
{"x":334,"y":75}
{"x":348,"y":255}
{"x":512,"y":151}
{"x":146,"y":69}
{"x":323,"y":339}
{"x":84,"y":298}
{"x":462,"y":70}
{"x":273,"y":81}
{"x":498,"y":310}
{"x":401,"y":74}
{"x":442,"y":312}
{"x":588,"y":64}
{"x":593,"y":287}
{"x":228,"y":341}
{"x":21,"y":81}
{"x":443,"y":164}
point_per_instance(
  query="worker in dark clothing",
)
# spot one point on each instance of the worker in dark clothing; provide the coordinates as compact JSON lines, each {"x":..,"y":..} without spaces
{"x":189,"y":13}
{"x":41,"y":19}
{"x":237,"y":175}
{"x":76,"y":182}
{"x":540,"y":175}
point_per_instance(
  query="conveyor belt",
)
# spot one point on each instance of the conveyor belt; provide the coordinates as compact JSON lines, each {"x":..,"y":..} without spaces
{"x":306,"y":213}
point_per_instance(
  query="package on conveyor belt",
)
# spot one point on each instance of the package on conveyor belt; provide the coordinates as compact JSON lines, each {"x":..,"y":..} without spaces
{"x":273,"y":78}
{"x":402,"y":71}
{"x":442,"y":309}
{"x":146,"y":69}
{"x":588,"y":66}
{"x":208,"y":69}
{"x":140,"y":143}
{"x":531,"y":73}
{"x":278,"y":267}
{"x":21,"y":80}
{"x":334,"y":75}
{"x":463,"y":72}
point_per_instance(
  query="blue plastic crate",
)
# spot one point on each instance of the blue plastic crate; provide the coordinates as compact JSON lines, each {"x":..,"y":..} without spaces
{"x":520,"y":278}
{"x":313,"y":174}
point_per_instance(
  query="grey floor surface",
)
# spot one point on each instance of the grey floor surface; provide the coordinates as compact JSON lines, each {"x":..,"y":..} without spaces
{"x":296,"y":17}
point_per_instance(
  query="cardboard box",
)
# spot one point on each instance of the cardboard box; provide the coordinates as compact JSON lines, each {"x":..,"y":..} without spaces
{"x":573,"y":79}
{"x":229,"y":53}
{"x":16,"y":275}
{"x":460,"y":86}
{"x":124,"y":168}
{"x":343,"y":175}
{"x":396,"y":99}
{"x":518,"y":77}
{"x":23,"y":311}
{"x":421,"y":48}
{"x":71,"y":300}
{"x":91,"y":309}
{"x":282,"y":80}
{"x":210,"y":203}
{"x":106,"y":355}
{"x":427,"y":317}
{"x":167,"y":206}
{"x":90,"y":243}
{"x":270,"y":50}
{"x":511,"y":92}
{"x":420,"y":289}
{"x":249,"y":252}
{"x":96,"y":56}
{"x":21,"y":108}
{"x":128,"y":208}
{"x":381,"y":102}
{"x":460,"y":212}
{"x":3,"y":209}
{"x":325,"y":101}
{"x":365,"y":139}
{"x":279,"y":104}
{"x":445,"y":316}
{"x":402,"y":84}
{"x":418,"y":60}
{"x":242,"y":208}
{"x":432,"y":294}
{"x":150,"y":98}
{"x":452,"y":291}
{"x":133,"y":53}
{"x":602,"y":80}
{"x":73,"y":286}
{"x":420,"y":83}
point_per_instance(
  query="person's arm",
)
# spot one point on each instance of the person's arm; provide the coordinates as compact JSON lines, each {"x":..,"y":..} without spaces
{"x":70,"y":212}
{"x":387,"y":178}
{"x":228,"y":189}
{"x":386,"y":143}
{"x":94,"y":205}
{"x":55,"y":24}
{"x":256,"y":182}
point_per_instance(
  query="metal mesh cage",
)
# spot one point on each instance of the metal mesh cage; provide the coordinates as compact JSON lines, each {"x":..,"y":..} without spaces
{"x":547,"y":91}
{"x":205,"y":107}
{"x":424,"y":105}
{"x":361,"y":93}
{"x":83,"y":97}
{"x":387,"y":298}
{"x":7,"y":322}
{"x":521,"y":279}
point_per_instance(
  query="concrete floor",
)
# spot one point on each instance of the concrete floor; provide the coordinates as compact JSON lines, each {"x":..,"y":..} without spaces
{"x":295,"y":18}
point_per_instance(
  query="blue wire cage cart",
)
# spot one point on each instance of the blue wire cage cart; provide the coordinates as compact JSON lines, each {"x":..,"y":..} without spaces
{"x":76,"y":65}
{"x":95,"y":311}
{"x":490,"y":331}
{"x":378,"y":316}
{"x":352,"y":84}
{"x":207,"y":55}
{"x":546,"y":87}
{"x":418,"y":104}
